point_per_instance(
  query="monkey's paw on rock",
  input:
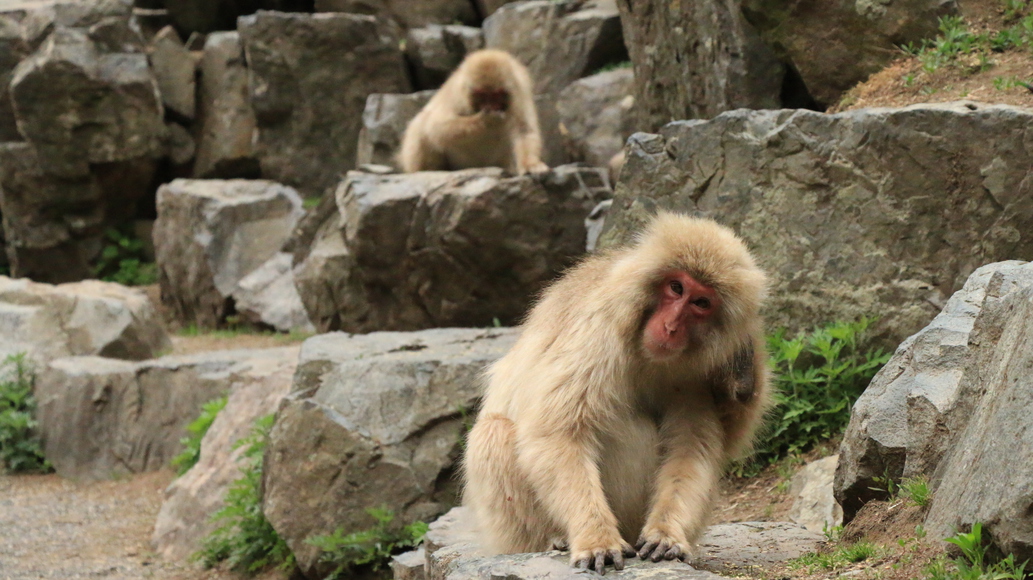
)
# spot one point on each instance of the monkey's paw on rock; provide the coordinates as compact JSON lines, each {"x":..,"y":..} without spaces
{"x":451,"y":552}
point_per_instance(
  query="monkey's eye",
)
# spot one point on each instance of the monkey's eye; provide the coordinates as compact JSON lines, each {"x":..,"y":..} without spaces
{"x":703,"y":302}
{"x":676,"y":287}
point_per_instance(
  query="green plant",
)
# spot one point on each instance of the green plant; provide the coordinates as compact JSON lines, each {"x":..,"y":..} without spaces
{"x":246,"y":540}
{"x":973,"y":565}
{"x":196,"y":431}
{"x":916,"y":489}
{"x":20,"y":447}
{"x":122,"y":260}
{"x":372,"y":547}
{"x":836,"y":559}
{"x":886,"y":484}
{"x":817,"y":376}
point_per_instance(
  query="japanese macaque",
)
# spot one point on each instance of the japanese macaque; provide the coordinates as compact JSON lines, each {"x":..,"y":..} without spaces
{"x":483,"y":116}
{"x":637,"y":377}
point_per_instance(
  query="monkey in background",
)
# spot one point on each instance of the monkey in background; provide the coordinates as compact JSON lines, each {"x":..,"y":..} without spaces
{"x":637,"y":377}
{"x":483,"y":116}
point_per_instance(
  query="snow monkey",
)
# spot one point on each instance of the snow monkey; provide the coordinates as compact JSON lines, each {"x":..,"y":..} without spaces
{"x":483,"y":116}
{"x":637,"y":376}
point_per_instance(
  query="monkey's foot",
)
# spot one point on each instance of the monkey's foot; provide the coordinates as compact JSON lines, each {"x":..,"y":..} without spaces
{"x":658,"y":547}
{"x":597,"y":559}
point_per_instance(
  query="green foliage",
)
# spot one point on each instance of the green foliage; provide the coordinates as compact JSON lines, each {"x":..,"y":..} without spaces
{"x":973,"y":564}
{"x":246,"y":540}
{"x":956,"y":41}
{"x":236,"y":329}
{"x":817,"y":376}
{"x":372,"y":547}
{"x":20,"y":447}
{"x":916,"y":489}
{"x":122,"y":260}
{"x":836,"y":559}
{"x":614,"y":66}
{"x":196,"y":431}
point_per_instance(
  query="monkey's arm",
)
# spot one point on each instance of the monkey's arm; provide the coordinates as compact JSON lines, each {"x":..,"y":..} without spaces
{"x":684,"y":485}
{"x":741,"y":392}
{"x":561,"y":464}
{"x":527,"y":149}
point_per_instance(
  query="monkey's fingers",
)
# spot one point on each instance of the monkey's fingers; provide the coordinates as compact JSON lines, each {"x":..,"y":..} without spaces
{"x":598,"y":559}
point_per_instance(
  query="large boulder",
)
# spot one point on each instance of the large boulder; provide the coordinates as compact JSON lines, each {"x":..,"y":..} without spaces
{"x":175,"y":71}
{"x":383,"y":123}
{"x":80,"y":104}
{"x":406,"y":13}
{"x":101,"y":418}
{"x":81,"y":318}
{"x":880,"y":212}
{"x":560,"y":41}
{"x":424,"y":250}
{"x":373,"y":420}
{"x":212,"y":233}
{"x":310,"y":76}
{"x":268,"y":297}
{"x":255,"y":391}
{"x":435,"y":51}
{"x":595,"y":116}
{"x":225,"y":147}
{"x":953,"y":405}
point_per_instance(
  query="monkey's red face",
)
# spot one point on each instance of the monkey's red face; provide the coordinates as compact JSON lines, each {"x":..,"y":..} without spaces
{"x":683,"y":304}
{"x":491,"y":100}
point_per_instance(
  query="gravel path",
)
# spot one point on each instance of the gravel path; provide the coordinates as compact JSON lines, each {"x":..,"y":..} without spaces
{"x":56,"y":528}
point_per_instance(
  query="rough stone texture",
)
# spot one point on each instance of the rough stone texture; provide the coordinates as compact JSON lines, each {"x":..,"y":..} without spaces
{"x":267,"y":297}
{"x":212,"y":233}
{"x":435,"y":51}
{"x":383,"y":123}
{"x":79,"y":105}
{"x":452,"y":553}
{"x":255,"y":390}
{"x":100,"y":418}
{"x":174,"y":68}
{"x":916,"y":406}
{"x":717,"y":62}
{"x":409,"y":565}
{"x":13,"y":48}
{"x":835,"y":44}
{"x":595,"y":113}
{"x":52,"y":226}
{"x":814,"y":506}
{"x":212,"y":15}
{"x":488,"y":7}
{"x":423,"y":250}
{"x":560,"y":41}
{"x":984,"y":475}
{"x":406,"y":13}
{"x":225,"y":147}
{"x":310,"y":76}
{"x":879,"y":211}
{"x":372,"y":420}
{"x":182,"y":146}
{"x":81,"y":318}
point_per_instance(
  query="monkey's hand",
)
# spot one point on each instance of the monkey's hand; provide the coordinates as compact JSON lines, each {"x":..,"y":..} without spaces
{"x":597,"y":553}
{"x":655,"y":545}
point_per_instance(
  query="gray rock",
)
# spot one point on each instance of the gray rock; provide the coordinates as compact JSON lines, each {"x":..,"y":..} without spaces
{"x":984,"y":476}
{"x":225,"y":147}
{"x":383,"y":123}
{"x":257,"y":386}
{"x":595,"y":113}
{"x":372,"y":420}
{"x":423,"y":250}
{"x":838,"y":208}
{"x":409,"y":565}
{"x":101,"y":418}
{"x":81,"y":318}
{"x":13,"y":48}
{"x":405,"y":13}
{"x":202,"y":16}
{"x":435,"y":51}
{"x":453,"y":553}
{"x":559,"y":41}
{"x":702,"y":58}
{"x":488,"y":7}
{"x":210,"y":234}
{"x":310,"y":76}
{"x":182,"y":147}
{"x":79,"y":106}
{"x":175,"y":70}
{"x":268,"y":297}
{"x":814,"y":506}
{"x":907,"y":418}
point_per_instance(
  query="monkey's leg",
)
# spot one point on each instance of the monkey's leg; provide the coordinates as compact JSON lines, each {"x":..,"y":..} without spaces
{"x":685,"y":484}
{"x":527,"y":150}
{"x":500,"y":496}
{"x":563,"y":471}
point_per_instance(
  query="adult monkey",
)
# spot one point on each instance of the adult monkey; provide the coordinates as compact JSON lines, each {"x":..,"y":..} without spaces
{"x":638,"y":375}
{"x":483,"y":116}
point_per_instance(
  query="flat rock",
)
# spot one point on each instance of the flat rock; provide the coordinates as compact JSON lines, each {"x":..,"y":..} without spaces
{"x":268,"y":297}
{"x":225,"y":148}
{"x":175,"y":70}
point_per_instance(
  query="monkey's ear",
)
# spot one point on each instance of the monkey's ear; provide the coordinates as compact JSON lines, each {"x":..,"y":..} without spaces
{"x":737,"y":381}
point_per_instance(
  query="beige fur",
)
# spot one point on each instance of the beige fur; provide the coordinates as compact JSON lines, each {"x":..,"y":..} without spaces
{"x":449,"y":134}
{"x":582,"y":437}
